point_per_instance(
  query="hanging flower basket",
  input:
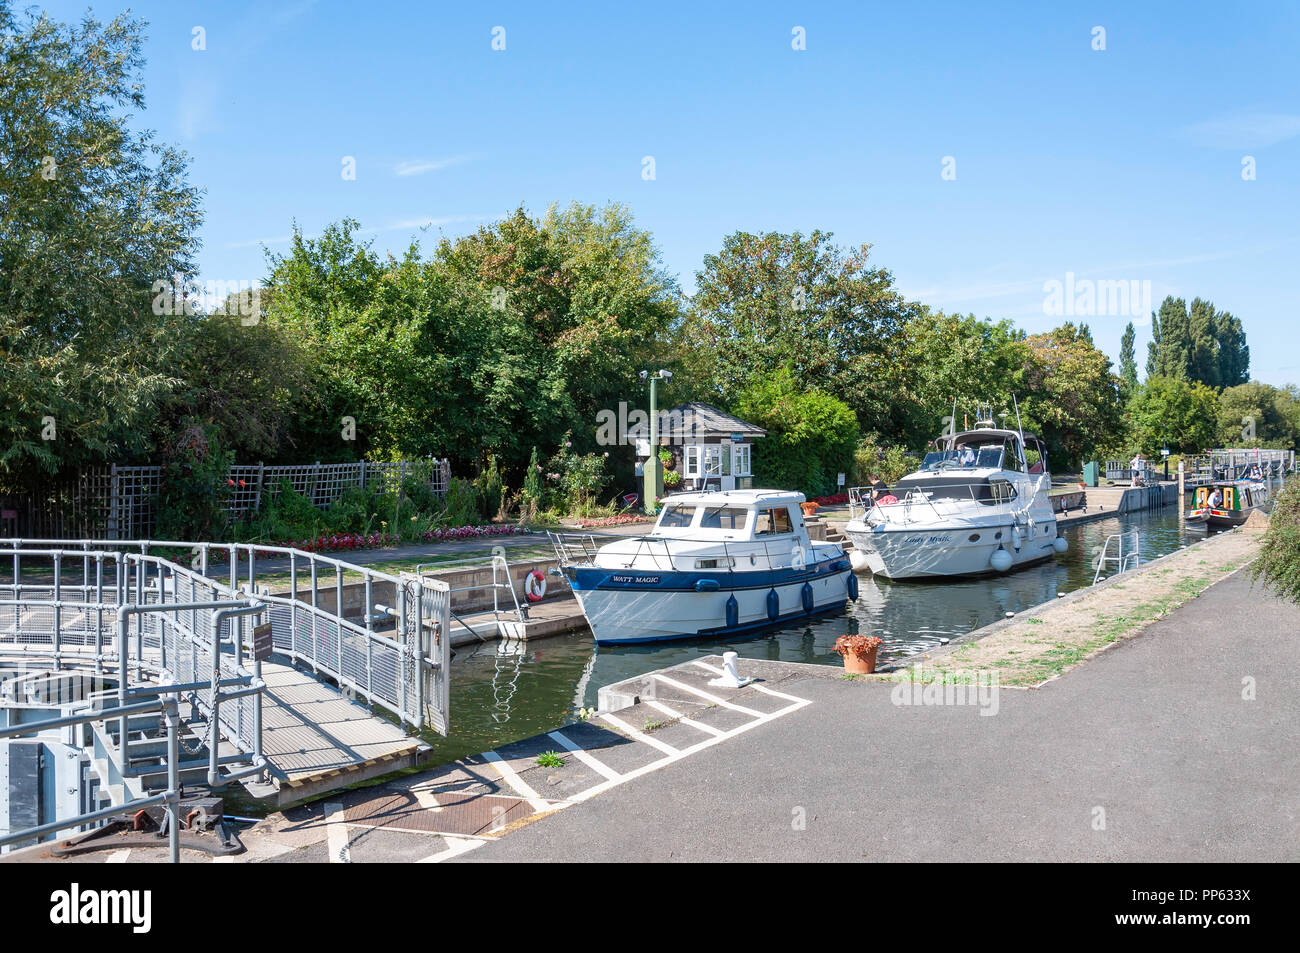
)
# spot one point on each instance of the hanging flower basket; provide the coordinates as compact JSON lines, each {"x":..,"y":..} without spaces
{"x":858,"y":652}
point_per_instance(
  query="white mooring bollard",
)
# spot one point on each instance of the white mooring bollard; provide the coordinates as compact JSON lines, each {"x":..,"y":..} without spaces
{"x":730,"y":678}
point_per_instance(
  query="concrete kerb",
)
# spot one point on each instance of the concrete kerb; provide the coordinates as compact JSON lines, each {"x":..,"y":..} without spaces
{"x":1067,"y":599}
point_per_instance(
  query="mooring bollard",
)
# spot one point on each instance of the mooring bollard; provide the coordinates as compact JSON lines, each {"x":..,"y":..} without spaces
{"x":730,"y":678}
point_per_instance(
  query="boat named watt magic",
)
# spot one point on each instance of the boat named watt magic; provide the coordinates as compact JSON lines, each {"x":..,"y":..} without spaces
{"x":716,"y":564}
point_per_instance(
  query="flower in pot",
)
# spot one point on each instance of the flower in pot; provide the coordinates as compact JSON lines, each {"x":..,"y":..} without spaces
{"x":809,"y":508}
{"x":859,"y":652}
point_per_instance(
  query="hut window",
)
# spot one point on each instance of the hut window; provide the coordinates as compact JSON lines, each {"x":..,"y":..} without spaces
{"x":692,"y":462}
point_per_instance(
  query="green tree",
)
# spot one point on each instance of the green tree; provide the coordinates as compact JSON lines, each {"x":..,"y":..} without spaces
{"x":1071,"y":395}
{"x":950,"y":358}
{"x":1203,"y":349}
{"x":1233,"y":353}
{"x":92,"y":214}
{"x":811,"y":435}
{"x":775,"y":299}
{"x":1174,"y":412}
{"x":1270,"y":413}
{"x":1171,"y":343}
{"x":1128,"y":371}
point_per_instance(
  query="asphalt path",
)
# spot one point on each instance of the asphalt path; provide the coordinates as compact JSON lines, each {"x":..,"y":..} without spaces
{"x":1177,"y":745}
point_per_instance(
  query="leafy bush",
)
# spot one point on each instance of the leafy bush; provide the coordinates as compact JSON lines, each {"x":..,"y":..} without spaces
{"x":576,"y":479}
{"x":810,"y":434}
{"x":489,"y":489}
{"x":419,"y":494}
{"x":890,"y":463}
{"x":1279,"y":561}
{"x":460,"y":504}
{"x":192,"y":495}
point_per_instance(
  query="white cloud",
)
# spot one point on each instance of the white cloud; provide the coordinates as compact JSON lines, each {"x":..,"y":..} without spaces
{"x":421,"y":166}
{"x":1250,"y":130}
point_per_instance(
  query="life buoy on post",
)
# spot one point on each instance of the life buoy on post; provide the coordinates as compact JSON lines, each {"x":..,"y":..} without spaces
{"x":534,"y":586}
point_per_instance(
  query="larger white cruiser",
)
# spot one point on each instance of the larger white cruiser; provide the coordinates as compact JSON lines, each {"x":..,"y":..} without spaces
{"x":977,"y":505}
{"x":715,"y":565}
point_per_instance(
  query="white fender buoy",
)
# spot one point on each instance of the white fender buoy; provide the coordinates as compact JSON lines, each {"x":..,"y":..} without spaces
{"x":858,"y":560}
{"x":1000,"y":560}
{"x":730,"y":678}
{"x":1015,"y":537}
{"x":1060,"y":544}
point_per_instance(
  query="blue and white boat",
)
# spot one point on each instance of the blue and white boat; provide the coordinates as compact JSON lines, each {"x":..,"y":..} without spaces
{"x":715,"y":565}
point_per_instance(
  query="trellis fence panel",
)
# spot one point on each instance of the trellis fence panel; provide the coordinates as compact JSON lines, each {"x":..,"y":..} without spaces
{"x":117,"y":502}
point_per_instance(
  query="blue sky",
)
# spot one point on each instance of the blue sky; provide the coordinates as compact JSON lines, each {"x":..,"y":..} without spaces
{"x":1122,"y":164}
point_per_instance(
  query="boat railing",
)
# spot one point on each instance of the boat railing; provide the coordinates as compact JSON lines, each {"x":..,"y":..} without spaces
{"x":786,"y":550}
{"x":573,"y":548}
{"x":919,"y":502}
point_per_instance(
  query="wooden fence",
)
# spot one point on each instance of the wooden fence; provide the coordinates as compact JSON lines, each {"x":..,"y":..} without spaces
{"x":116,"y":502}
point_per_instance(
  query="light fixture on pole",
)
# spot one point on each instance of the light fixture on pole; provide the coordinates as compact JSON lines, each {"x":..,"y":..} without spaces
{"x":652,"y":483}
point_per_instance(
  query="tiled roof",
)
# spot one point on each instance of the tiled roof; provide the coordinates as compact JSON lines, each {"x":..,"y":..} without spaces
{"x":697,"y":419}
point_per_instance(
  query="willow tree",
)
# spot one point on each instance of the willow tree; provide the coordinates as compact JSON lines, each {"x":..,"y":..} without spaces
{"x":92,"y":214}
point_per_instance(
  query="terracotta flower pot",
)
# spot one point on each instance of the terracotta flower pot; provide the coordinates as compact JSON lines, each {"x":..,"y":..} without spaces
{"x":809,"y":509}
{"x":861,"y":664}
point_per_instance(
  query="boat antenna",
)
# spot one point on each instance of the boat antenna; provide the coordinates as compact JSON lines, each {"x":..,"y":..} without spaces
{"x":1019,"y":425}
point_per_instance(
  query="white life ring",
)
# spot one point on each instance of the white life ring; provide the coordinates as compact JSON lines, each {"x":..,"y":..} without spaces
{"x":535,"y":586}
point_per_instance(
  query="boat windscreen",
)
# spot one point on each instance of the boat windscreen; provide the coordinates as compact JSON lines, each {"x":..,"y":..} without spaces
{"x":947,"y":488}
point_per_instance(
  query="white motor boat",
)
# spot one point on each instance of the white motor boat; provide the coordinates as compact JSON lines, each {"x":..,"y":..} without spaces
{"x":978,"y":505}
{"x":715,"y":565}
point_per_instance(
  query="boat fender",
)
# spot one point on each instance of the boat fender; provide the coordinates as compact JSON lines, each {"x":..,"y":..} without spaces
{"x":806,"y":594}
{"x":1015,"y":537}
{"x":707,"y":585}
{"x":534,"y":586}
{"x":853,"y":587}
{"x":733,"y":612}
{"x":773,"y":604}
{"x":1060,"y":544}
{"x":1000,"y":560}
{"x":858,"y":560}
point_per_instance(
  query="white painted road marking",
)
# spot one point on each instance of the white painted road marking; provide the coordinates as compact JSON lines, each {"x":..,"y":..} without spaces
{"x":589,"y":760}
{"x":336,"y":832}
{"x":641,"y":736}
{"x":707,"y":729}
{"x":672,"y":755}
{"x":521,"y":787}
{"x":705,"y":695}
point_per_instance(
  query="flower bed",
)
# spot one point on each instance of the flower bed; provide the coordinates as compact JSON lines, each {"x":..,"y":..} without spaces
{"x":835,"y":499}
{"x":622,"y":519}
{"x":342,"y":542}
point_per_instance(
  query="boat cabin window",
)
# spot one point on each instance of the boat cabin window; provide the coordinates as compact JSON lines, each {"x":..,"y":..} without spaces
{"x":675,"y":517}
{"x":724,"y":517}
{"x":773,"y":522}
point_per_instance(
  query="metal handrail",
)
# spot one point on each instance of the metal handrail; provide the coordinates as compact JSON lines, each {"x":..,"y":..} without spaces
{"x":169,"y":709}
{"x":1123,"y":559}
{"x":310,"y":575}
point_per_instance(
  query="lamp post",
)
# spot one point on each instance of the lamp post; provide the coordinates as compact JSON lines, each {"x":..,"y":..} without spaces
{"x":652,"y":463}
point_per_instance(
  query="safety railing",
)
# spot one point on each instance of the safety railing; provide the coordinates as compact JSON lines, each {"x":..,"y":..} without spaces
{"x":146,"y":622}
{"x":164,"y":705}
{"x":381,"y":636}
